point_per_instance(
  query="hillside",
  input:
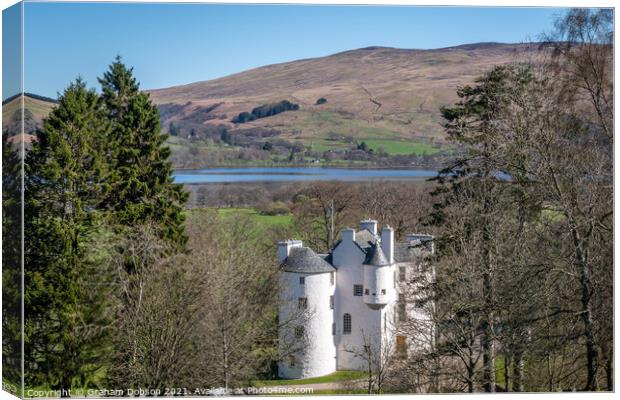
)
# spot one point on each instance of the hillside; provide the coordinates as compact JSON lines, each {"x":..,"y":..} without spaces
{"x":383,"y":96}
{"x":380,"y":106}
{"x":37,"y":107}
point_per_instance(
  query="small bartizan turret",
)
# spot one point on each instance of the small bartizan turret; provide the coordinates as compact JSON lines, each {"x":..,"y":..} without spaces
{"x":379,"y":287}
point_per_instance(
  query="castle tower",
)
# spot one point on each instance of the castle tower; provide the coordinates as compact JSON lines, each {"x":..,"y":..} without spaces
{"x":379,"y":288}
{"x":307,"y":287}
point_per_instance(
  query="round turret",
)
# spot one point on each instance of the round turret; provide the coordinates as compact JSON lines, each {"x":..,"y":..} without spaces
{"x":306,"y":310}
{"x":378,"y":279}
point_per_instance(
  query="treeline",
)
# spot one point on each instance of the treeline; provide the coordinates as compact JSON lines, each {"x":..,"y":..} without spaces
{"x":523,"y":296}
{"x":120,"y":291}
{"x":97,"y":170}
{"x":266,"y":110}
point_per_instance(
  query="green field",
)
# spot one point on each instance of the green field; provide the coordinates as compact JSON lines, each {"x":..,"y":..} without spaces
{"x":338,"y":376}
{"x":262,"y":221}
{"x":403,"y":146}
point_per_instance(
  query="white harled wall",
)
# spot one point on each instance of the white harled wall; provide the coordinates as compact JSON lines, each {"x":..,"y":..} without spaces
{"x":348,"y":258}
{"x":372,"y":316}
{"x":317,"y":354}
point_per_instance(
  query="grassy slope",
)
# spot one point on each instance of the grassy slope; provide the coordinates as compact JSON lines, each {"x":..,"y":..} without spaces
{"x":262,"y":221}
{"x":411,"y":85}
{"x":39,"y":108}
{"x":338,"y":376}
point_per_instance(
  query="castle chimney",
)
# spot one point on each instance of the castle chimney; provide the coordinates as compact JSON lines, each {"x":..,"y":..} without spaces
{"x":387,"y":243}
{"x":284,"y":248}
{"x":369,"y":224}
{"x":348,"y":235}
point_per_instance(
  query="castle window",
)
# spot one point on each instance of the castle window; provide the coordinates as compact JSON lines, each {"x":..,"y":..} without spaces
{"x":346,"y":324}
{"x":334,"y":329}
{"x":382,"y":291}
{"x":302,"y":303}
{"x":331,"y":302}
{"x":358,"y":290}
{"x":366,"y":292}
{"x":331,"y":278}
{"x":302,"y":280}
{"x":299,"y":332}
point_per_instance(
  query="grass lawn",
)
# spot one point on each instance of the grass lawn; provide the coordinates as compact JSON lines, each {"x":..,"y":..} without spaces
{"x":338,"y":391}
{"x":402,"y":146}
{"x":337,"y":376}
{"x":262,"y":220}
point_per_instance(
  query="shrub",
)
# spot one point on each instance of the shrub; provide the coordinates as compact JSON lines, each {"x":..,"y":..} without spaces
{"x":266,"y":110}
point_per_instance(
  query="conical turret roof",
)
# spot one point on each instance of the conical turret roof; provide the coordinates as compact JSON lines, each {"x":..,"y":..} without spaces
{"x":304,"y":260}
{"x":376,"y":257}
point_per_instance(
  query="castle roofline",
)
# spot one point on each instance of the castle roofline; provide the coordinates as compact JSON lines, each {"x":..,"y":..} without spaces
{"x":304,"y":260}
{"x":376,"y":257}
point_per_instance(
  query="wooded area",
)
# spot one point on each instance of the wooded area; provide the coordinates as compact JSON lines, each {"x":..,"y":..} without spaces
{"x":125,"y":288}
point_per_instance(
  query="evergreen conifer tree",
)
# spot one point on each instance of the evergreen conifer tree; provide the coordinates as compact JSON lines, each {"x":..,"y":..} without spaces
{"x":66,"y":326}
{"x":11,"y":262}
{"x":141,"y":174}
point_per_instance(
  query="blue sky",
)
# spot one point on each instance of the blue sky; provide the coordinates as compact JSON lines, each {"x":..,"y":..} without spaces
{"x":171,"y":44}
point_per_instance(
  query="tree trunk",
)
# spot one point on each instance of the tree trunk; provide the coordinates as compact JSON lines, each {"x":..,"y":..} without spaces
{"x":586,"y":312}
{"x":609,"y":373}
{"x":517,"y":384}
{"x":488,"y":356}
{"x":471,"y":370}
{"x":507,"y":361}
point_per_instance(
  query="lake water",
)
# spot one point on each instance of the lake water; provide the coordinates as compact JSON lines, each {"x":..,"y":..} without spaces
{"x":222,"y":175}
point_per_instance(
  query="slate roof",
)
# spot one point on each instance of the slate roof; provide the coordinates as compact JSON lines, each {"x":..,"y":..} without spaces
{"x":304,"y":260}
{"x":408,"y":252}
{"x":365,"y":238}
{"x":376,"y":256}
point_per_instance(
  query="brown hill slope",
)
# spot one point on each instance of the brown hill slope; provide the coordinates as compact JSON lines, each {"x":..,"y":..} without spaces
{"x":376,"y":94}
{"x":36,"y":108}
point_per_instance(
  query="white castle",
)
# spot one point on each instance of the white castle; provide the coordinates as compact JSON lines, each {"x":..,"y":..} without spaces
{"x":337,"y":305}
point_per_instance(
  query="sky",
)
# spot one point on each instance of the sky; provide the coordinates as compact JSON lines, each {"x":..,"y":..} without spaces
{"x":172,"y":44}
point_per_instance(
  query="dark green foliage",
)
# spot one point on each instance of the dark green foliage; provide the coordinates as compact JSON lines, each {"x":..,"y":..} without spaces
{"x":174,"y":131}
{"x":267,"y":146}
{"x":266,"y":110}
{"x":141,"y":175}
{"x":11,"y":262}
{"x":243,"y":117}
{"x":65,"y":281}
{"x":364,"y":147}
{"x":226,"y":137}
{"x":321,"y":100}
